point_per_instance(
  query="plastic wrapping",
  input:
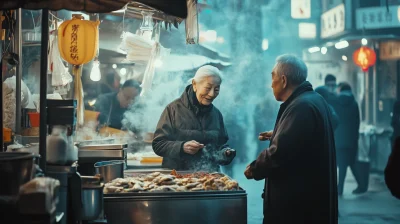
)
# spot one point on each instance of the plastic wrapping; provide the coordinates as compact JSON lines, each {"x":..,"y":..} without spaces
{"x":191,"y":23}
{"x":60,"y":75}
{"x":9,"y":107}
{"x":38,"y":196}
{"x":143,"y":51}
{"x":9,"y":97}
{"x":138,"y":49}
{"x":158,"y":53}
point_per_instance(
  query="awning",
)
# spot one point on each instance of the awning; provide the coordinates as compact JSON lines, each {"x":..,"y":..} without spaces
{"x":176,"y":63}
{"x":176,"y":8}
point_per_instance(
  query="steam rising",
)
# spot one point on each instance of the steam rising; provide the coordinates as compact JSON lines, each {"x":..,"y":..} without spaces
{"x":246,"y":100}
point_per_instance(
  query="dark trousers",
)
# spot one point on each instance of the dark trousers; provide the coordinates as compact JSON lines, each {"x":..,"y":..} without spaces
{"x":342,"y":175}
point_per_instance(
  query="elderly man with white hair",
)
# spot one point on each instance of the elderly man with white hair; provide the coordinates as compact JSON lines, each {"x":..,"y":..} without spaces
{"x":191,"y":134}
{"x":299,"y":166}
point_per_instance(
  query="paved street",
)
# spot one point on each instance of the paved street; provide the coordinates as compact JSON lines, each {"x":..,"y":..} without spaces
{"x":377,"y":206}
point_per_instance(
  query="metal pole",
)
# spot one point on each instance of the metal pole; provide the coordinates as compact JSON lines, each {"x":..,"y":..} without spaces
{"x":43,"y":88}
{"x":1,"y":95}
{"x":367,"y":103}
{"x":374,"y":95}
{"x":18,"y":73}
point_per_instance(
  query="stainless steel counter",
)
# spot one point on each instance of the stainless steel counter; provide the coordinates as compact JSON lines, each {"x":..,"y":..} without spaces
{"x":176,"y":207}
{"x":171,"y":208}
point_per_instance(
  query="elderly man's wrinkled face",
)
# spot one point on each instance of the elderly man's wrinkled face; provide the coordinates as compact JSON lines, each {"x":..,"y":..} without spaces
{"x":126,"y":96}
{"x":279,"y":83}
{"x":207,"y":89}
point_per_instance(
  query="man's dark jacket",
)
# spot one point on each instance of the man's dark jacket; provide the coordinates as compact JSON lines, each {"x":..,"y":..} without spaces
{"x":111,"y":113}
{"x":346,"y":134}
{"x":299,"y":166}
{"x":392,"y":170}
{"x":184,"y":120}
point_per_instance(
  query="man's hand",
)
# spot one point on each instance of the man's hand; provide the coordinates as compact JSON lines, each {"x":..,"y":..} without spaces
{"x":192,"y":147}
{"x":264,"y":136}
{"x":248,"y":173}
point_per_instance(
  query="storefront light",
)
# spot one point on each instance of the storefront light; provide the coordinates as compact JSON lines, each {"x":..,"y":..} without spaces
{"x":344,"y":57}
{"x":265,"y":45}
{"x":122,"y":71}
{"x":364,"y":41}
{"x":313,"y":49}
{"x":342,"y":44}
{"x":324,"y":50}
{"x":330,"y":44}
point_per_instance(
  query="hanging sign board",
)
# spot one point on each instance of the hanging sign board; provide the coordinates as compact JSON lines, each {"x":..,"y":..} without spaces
{"x":377,"y":17}
{"x":389,"y":50}
{"x":332,"y":21}
{"x":300,"y":9}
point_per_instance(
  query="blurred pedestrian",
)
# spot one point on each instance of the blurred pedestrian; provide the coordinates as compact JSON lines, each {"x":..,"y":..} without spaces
{"x":392,"y":170}
{"x":330,"y":83}
{"x":396,"y":121}
{"x":330,"y":98}
{"x":299,"y":166}
{"x":346,"y":135}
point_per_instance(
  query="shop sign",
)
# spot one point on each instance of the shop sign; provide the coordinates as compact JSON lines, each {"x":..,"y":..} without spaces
{"x":332,"y":21}
{"x":300,"y":9}
{"x":389,"y":50}
{"x":307,"y":30}
{"x":377,"y":17}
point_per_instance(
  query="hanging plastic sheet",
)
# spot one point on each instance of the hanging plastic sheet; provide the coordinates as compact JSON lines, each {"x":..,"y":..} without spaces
{"x":60,"y":75}
{"x":192,"y":23}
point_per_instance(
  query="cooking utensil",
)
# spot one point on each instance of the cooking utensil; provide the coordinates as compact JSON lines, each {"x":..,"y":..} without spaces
{"x":110,"y":170}
{"x":96,"y":142}
{"x":92,"y":197}
{"x":16,"y":169}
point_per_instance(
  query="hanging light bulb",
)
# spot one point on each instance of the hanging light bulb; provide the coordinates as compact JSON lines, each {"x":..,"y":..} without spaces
{"x":95,"y":75}
{"x":146,"y":28}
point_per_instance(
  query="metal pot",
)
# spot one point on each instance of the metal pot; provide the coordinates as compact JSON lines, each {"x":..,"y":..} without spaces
{"x":110,"y":170}
{"x":16,"y":169}
{"x":92,"y":198}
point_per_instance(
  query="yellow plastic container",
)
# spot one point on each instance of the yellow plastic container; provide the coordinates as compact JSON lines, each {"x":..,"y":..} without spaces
{"x":7,"y":133}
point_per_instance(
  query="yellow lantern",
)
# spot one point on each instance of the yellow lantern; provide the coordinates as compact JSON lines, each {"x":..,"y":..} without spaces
{"x":78,"y":42}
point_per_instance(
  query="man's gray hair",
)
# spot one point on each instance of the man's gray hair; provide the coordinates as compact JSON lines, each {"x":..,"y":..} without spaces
{"x":292,"y":67}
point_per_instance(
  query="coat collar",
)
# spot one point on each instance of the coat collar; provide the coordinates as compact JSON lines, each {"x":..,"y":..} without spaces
{"x":188,"y":99}
{"x":302,"y":88}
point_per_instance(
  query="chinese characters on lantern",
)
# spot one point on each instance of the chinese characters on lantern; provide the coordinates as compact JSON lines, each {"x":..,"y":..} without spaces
{"x":74,"y":43}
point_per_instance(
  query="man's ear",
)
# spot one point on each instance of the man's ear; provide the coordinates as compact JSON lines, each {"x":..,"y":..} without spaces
{"x":285,"y":81}
{"x":194,"y":85}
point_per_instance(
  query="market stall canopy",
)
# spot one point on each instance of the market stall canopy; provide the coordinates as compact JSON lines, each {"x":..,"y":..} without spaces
{"x":176,"y":8}
{"x":189,"y":62}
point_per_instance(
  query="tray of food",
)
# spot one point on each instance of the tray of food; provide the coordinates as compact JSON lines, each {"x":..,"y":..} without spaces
{"x":172,"y":182}
{"x":145,"y":157}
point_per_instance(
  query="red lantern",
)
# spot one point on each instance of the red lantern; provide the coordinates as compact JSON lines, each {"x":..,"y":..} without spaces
{"x":364,"y":57}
